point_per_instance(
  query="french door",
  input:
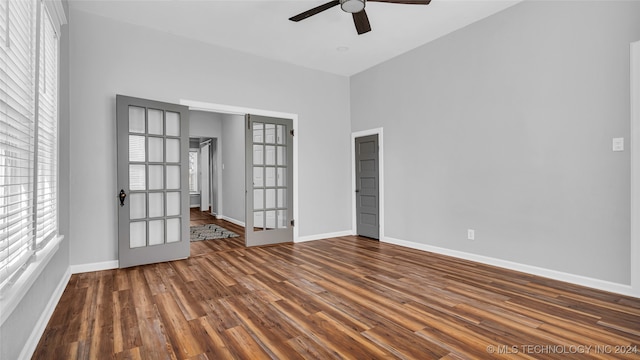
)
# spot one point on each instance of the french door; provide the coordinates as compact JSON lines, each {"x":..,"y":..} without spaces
{"x":269,"y":180}
{"x":153,"y":186}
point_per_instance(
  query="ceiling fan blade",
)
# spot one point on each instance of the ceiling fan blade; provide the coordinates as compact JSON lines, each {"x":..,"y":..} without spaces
{"x":361,"y":20}
{"x":410,"y":2}
{"x":315,"y":10}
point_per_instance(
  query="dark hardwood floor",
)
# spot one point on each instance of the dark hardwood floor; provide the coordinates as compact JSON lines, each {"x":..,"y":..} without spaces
{"x":348,"y":297}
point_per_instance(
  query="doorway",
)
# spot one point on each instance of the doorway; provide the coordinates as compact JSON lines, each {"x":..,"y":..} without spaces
{"x":153,"y":157}
{"x":217,"y":170}
{"x":238,"y":113}
{"x":202,"y":174}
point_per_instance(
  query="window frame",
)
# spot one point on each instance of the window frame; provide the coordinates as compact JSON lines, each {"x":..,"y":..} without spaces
{"x":49,"y":17}
{"x":196,"y":172}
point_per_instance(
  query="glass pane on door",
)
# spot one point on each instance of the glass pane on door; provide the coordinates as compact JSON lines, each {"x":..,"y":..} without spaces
{"x":138,"y":203}
{"x":137,"y":177}
{"x":156,"y":232}
{"x":173,"y":177}
{"x":137,"y":119}
{"x":138,"y":234}
{"x":137,"y":148}
{"x":156,"y":177}
{"x":173,"y":150}
{"x":173,"y":230}
{"x":173,"y":203}
{"x":156,"y":204}
{"x":173,"y":123}
{"x":156,"y":149}
{"x":156,"y":123}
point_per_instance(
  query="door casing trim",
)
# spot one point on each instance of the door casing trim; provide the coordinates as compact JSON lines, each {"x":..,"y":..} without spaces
{"x":354,"y":222}
{"x":241,"y":110}
{"x":635,"y":167}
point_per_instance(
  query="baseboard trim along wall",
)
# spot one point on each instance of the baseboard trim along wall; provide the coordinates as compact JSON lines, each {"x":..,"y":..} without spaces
{"x":323,"y":236}
{"x":529,"y":269}
{"x":231,"y":220}
{"x":31,"y":344}
{"x":99,"y":266}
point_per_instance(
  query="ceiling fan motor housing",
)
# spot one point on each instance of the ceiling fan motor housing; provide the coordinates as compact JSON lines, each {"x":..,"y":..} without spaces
{"x":352,"y":6}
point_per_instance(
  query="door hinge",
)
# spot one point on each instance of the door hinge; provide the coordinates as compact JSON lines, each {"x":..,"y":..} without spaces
{"x":291,"y":132}
{"x":293,"y":223}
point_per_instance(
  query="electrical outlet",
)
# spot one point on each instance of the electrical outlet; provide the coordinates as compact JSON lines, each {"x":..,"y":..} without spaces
{"x":471,"y":234}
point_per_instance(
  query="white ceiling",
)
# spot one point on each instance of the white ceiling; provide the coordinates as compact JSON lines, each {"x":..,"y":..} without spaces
{"x":327,"y":41}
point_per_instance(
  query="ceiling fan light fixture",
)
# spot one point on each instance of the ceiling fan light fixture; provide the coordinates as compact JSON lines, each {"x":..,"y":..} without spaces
{"x":352,"y":6}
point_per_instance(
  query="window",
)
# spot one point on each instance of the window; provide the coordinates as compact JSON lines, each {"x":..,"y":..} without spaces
{"x":193,"y":171}
{"x":28,"y":134}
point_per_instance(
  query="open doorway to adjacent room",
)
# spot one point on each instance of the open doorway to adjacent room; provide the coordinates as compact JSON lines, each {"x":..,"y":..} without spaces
{"x":216,"y":181}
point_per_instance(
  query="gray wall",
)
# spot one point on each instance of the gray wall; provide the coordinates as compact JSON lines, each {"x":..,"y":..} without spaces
{"x":505,"y":127}
{"x":233,"y":155}
{"x":205,"y":124}
{"x":109,"y":58}
{"x":15,"y":331}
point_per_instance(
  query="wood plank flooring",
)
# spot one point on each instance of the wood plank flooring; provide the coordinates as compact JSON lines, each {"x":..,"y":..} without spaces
{"x":340,"y":298}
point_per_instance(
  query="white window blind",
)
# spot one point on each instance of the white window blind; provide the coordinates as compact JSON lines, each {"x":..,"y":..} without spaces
{"x":47,"y":146}
{"x":28,"y":133}
{"x":17,"y":87}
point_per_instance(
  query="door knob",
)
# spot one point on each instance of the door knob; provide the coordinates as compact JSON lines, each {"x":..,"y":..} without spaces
{"x":122,"y":196}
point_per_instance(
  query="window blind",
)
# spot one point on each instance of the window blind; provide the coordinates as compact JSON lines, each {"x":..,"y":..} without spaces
{"x":47,"y":146}
{"x":17,"y":87}
{"x":28,"y":134}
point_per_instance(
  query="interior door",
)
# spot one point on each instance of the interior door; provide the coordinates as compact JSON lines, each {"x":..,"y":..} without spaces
{"x":367,"y":190}
{"x":153,"y":181}
{"x":269,"y":180}
{"x":204,"y":177}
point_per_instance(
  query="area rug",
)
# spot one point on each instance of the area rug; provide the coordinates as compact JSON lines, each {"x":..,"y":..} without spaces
{"x":209,"y":232}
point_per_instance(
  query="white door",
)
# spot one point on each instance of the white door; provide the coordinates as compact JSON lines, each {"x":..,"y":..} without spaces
{"x":204,"y":177}
{"x":269,"y":180}
{"x":153,"y":181}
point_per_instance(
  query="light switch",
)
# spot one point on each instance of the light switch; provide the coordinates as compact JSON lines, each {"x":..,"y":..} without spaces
{"x":618,"y":144}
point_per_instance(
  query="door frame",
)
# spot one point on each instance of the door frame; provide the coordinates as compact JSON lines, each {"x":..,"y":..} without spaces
{"x":354,"y":221}
{"x":635,"y":167}
{"x":241,"y":110}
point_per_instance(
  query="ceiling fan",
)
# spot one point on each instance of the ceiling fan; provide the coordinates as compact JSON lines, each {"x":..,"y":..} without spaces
{"x":356,"y":8}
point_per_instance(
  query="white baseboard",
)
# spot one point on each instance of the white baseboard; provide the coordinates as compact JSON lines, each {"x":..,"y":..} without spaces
{"x":323,"y":236}
{"x":231,"y":220}
{"x":533,"y":270}
{"x":105,"y":265}
{"x":31,"y":344}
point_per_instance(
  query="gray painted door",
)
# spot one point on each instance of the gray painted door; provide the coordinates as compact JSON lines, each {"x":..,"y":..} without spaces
{"x":269,"y":180}
{"x":367,"y":188}
{"x":153,"y":151}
